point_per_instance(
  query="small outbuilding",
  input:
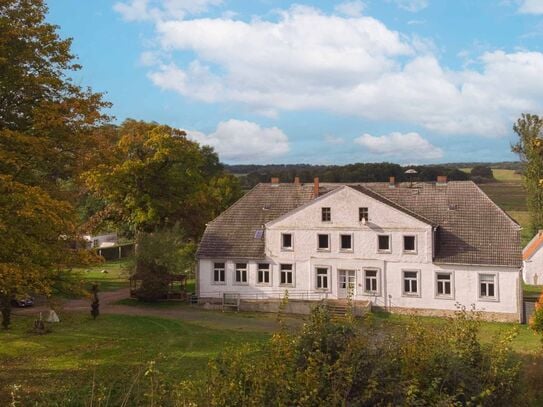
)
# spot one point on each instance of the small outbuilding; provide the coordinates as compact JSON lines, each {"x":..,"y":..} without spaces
{"x":532,"y":260}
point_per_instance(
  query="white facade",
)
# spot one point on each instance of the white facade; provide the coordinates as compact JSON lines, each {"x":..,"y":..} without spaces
{"x":101,"y":241}
{"x":532,"y":270}
{"x":395,"y":278}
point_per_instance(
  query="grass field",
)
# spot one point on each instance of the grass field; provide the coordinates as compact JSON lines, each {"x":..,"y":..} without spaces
{"x":116,"y":275}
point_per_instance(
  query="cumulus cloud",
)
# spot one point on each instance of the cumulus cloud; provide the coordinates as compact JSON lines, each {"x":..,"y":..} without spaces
{"x":141,"y":10}
{"x":401,"y":146}
{"x":351,"y":8}
{"x":351,"y":65}
{"x":412,"y":5}
{"x":244,"y":141}
{"x":531,"y":7}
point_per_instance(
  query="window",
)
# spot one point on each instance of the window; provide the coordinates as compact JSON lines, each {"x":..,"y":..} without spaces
{"x":383,"y":243}
{"x":322,"y":278}
{"x":326,"y":214}
{"x":409,"y":244}
{"x":218,"y":273}
{"x":411,"y":282}
{"x":263,"y":275}
{"x":363,"y":214}
{"x":444,"y":284}
{"x":287,"y":274}
{"x":323,"y":242}
{"x":241,"y":273}
{"x":487,"y":286}
{"x":346,"y":242}
{"x":286,"y":241}
{"x":370,"y":281}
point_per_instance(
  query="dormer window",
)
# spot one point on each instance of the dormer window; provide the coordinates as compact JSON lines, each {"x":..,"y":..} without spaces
{"x":326,"y":214}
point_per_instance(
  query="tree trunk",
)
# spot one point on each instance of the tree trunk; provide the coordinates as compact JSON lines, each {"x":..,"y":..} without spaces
{"x":5,"y":305}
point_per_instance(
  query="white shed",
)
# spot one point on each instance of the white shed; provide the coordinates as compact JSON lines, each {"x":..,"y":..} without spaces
{"x":532,"y":256}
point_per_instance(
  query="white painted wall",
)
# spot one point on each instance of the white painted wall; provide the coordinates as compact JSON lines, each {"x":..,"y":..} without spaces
{"x":532,"y":270}
{"x":305,"y":223}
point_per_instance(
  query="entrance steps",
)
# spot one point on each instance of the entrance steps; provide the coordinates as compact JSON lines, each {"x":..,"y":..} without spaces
{"x":340,"y":308}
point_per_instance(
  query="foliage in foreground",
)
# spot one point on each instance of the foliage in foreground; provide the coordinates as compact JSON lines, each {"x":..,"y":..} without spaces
{"x":536,"y":320}
{"x":337,"y":363}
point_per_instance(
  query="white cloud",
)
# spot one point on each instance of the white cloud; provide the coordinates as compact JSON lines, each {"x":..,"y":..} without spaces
{"x":531,"y":7}
{"x":402,"y":146}
{"x":350,"y":65}
{"x":141,"y":10}
{"x":351,"y":8}
{"x":244,"y":141}
{"x":412,"y":5}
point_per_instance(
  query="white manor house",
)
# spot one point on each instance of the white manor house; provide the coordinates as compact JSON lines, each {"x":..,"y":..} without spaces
{"x":423,"y":247}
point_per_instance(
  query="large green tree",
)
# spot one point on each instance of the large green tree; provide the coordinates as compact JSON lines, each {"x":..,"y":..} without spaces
{"x":529,"y":129}
{"x":47,"y":137}
{"x":160,"y":178}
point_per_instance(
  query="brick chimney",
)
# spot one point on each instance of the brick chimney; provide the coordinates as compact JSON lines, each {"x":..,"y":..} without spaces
{"x":275,"y":180}
{"x":296,"y":180}
{"x":441,"y":180}
{"x":392,"y":182}
{"x":316,"y":187}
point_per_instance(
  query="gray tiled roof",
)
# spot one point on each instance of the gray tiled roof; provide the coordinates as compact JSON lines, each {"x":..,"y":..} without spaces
{"x":471,"y":228}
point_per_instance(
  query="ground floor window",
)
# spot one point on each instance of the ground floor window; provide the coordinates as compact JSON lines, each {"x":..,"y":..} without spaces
{"x":241,"y":273}
{"x":287,"y":274}
{"x":263,"y":276}
{"x":487,"y":286}
{"x":444,"y":284}
{"x":411,"y":282}
{"x":322,"y":278}
{"x":371,"y":281}
{"x":218,"y":273}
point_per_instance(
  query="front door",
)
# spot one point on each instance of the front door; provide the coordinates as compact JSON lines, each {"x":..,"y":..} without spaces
{"x":347,"y":283}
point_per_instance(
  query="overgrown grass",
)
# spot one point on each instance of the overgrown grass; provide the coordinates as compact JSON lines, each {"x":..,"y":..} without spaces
{"x":62,"y":366}
{"x":114,"y":277}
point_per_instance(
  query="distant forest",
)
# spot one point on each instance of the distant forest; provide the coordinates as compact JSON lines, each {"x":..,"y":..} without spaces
{"x":251,"y":174}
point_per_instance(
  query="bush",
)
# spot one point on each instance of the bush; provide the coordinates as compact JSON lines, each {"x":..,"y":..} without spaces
{"x":340,"y":363}
{"x":482,"y":172}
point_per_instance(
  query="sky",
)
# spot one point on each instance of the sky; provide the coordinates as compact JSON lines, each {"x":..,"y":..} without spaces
{"x":319,"y":82}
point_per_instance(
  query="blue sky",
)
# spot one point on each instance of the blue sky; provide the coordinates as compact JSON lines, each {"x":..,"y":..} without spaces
{"x":262,"y":81}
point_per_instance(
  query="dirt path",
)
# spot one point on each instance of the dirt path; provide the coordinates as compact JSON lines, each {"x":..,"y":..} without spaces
{"x":194,"y":314}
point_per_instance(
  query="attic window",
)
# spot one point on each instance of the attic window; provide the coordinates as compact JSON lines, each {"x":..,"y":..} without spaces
{"x":326,"y":214}
{"x":259,"y":233}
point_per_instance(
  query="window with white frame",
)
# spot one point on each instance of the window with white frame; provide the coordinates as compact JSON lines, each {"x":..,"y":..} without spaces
{"x":286,"y":274}
{"x":322,"y":278}
{"x":444,"y":285}
{"x":409,"y":244}
{"x":371,"y":282}
{"x":487,"y":286}
{"x":240,"y":276}
{"x":263,"y":274}
{"x":363,"y":214}
{"x":219,"y":273}
{"x":411,"y":283}
{"x":323,"y":241}
{"x":346,"y":242}
{"x":383,"y":243}
{"x":286,"y":241}
{"x":326,"y":214}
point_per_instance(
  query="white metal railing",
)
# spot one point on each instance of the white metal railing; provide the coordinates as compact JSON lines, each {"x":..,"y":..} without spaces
{"x":269,"y":295}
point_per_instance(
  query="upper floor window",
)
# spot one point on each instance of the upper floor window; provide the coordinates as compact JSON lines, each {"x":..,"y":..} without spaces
{"x":409,"y":244}
{"x":286,"y":241}
{"x":263,"y":275}
{"x":323,"y":242}
{"x":326,"y":214}
{"x":346,"y":242}
{"x":363,"y":214}
{"x":286,"y":274}
{"x":383,"y":243}
{"x":219,"y":273}
{"x":241,"y":273}
{"x":322,"y":278}
{"x":487,"y":286}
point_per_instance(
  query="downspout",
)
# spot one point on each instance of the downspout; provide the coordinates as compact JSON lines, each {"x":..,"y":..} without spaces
{"x":385,"y":284}
{"x":520,"y":298}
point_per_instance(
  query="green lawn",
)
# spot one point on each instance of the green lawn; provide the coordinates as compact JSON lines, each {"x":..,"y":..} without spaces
{"x":116,"y":275}
{"x":113,"y":349}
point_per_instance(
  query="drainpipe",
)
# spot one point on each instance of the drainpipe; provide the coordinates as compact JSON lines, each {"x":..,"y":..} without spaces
{"x":520,"y":295}
{"x":385,"y":284}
